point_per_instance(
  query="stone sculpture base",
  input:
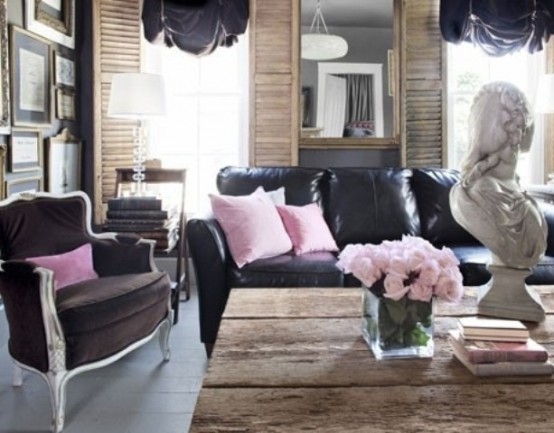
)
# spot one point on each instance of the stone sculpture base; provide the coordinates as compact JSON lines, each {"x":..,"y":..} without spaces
{"x":506,"y":295}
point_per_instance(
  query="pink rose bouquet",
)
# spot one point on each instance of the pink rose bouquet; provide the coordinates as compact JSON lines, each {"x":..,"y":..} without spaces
{"x":410,"y":267}
{"x":403,"y":276}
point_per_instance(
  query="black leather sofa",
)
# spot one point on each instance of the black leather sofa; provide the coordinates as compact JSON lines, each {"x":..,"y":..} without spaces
{"x":360,"y":205}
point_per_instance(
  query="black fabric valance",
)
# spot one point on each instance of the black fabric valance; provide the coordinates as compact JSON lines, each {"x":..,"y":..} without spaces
{"x":197,"y":27}
{"x":498,"y":26}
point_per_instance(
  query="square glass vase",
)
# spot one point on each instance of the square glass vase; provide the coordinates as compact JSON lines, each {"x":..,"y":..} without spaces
{"x":397,"y":329}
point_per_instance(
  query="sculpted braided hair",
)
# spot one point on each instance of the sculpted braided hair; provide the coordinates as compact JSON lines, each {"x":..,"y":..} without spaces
{"x":499,"y":117}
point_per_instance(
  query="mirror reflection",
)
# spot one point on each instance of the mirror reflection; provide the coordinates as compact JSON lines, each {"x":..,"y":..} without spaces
{"x":348,"y":96}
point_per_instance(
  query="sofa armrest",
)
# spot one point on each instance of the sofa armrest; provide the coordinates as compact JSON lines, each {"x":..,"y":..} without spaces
{"x":20,"y":287}
{"x":122,"y":254}
{"x":208,"y":251}
{"x":548,"y":211}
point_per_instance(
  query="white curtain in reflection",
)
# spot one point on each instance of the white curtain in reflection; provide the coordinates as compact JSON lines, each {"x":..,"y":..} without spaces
{"x":359,"y":97}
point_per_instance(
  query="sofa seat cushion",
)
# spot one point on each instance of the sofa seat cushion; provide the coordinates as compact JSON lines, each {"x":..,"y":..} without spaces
{"x":473,"y":264}
{"x":288,"y":270}
{"x":92,"y":310}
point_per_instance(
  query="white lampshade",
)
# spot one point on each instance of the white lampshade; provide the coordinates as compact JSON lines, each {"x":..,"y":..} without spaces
{"x":137,"y":96}
{"x":323,"y":46}
{"x":544,"y":101}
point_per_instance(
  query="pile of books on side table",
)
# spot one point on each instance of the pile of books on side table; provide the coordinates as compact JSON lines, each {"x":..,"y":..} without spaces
{"x":145,"y":217}
{"x":498,"y":347}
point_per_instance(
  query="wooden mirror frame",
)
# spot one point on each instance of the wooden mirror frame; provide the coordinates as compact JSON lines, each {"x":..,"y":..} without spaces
{"x":394,"y":78}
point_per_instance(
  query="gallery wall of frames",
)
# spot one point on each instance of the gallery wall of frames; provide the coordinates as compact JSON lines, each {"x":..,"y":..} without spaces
{"x":40,"y":148}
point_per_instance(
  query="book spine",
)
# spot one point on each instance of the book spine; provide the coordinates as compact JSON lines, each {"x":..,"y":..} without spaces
{"x":138,"y":222}
{"x":133,"y":228}
{"x":130,"y":204}
{"x":514,"y":369}
{"x":137,"y":214}
{"x":492,"y":356}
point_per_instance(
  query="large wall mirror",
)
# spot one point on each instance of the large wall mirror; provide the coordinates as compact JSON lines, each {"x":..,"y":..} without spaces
{"x":348,"y":101}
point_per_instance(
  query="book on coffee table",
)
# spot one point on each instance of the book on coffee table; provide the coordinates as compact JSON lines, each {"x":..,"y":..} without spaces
{"x":476,"y":328}
{"x":486,"y":351}
{"x":503,"y":368}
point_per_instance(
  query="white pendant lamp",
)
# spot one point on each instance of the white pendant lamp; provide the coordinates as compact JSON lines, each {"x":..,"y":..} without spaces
{"x":319,"y":44}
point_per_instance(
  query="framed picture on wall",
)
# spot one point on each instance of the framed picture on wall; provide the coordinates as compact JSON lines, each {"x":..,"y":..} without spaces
{"x":21,"y":185}
{"x":4,"y":71}
{"x":24,"y":150}
{"x":63,"y":172}
{"x":30,"y":79}
{"x":65,"y":104}
{"x":64,"y":71}
{"x":52,"y":19}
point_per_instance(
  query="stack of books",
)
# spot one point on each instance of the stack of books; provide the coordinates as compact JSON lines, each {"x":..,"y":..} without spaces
{"x":498,"y":347}
{"x":145,"y":217}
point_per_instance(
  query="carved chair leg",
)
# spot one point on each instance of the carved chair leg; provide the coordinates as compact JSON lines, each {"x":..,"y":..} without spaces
{"x":57,"y":382}
{"x":17,"y":375}
{"x":165,"y":330}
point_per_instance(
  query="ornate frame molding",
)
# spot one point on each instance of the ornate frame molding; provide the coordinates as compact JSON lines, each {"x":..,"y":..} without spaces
{"x":4,"y":71}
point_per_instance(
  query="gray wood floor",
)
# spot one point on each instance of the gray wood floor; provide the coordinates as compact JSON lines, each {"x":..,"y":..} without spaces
{"x":137,"y":394}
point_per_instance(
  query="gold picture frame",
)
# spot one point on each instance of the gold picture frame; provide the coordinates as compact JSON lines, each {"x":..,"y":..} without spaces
{"x":65,"y":104}
{"x":22,"y":185}
{"x":63,"y":165}
{"x":25,"y":150}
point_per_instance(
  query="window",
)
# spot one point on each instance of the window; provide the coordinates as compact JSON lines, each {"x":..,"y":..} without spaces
{"x":206,"y":125}
{"x":468,"y":70}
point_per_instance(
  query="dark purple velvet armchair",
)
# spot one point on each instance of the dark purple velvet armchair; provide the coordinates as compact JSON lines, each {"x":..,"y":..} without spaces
{"x":86,"y":325}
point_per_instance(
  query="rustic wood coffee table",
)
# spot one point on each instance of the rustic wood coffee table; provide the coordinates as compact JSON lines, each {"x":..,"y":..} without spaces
{"x":290,"y":360}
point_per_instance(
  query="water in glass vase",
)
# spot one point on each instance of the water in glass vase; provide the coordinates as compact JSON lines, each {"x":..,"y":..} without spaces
{"x":397,"y":329}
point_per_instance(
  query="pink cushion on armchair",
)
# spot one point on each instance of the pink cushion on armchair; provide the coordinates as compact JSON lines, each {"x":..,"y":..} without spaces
{"x":69,"y":268}
{"x":307,"y":228}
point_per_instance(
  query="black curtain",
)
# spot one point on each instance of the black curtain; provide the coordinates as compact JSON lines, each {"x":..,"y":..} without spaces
{"x":498,"y":26}
{"x":195,"y":26}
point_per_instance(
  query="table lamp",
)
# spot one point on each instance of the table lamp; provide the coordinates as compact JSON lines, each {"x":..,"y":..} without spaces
{"x":139,"y":96}
{"x":544,"y":101}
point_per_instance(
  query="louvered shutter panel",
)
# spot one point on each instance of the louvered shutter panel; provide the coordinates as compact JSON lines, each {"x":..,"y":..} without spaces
{"x":274,"y":88}
{"x":117,"y":37}
{"x":423,"y":88}
{"x":549,"y":118}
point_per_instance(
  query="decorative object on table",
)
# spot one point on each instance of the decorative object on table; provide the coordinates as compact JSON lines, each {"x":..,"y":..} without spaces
{"x":501,"y":362}
{"x":54,"y":20}
{"x":144,"y":216}
{"x":30,"y":79}
{"x":25,"y":150}
{"x":22,"y":185}
{"x":490,"y":204}
{"x":64,"y":71}
{"x":319,"y":44}
{"x":65,"y":104}
{"x":4,"y":71}
{"x":63,"y":165}
{"x":492,"y":329}
{"x":489,"y":351}
{"x":400,"y":279}
{"x":137,"y":96}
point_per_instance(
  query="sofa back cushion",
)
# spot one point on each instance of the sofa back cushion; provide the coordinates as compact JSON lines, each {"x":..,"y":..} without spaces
{"x":431,"y":187}
{"x":369,"y":205}
{"x":302,"y":185}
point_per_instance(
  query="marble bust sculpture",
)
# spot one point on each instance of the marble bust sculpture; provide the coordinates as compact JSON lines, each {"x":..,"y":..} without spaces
{"x":489,"y":202}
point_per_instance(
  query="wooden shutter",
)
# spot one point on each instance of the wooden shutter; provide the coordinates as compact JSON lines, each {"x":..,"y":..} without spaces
{"x":423,"y":87}
{"x":117,"y":36}
{"x":549,"y":118}
{"x":274,"y":55}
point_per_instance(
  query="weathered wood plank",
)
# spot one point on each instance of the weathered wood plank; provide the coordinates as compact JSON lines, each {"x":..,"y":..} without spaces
{"x":441,"y":409}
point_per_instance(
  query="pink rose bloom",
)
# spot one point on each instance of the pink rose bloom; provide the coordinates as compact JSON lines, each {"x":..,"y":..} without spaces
{"x":381,"y":258}
{"x":447,"y":259}
{"x":420,"y":292}
{"x":398,"y":267}
{"x":449,"y":287}
{"x":394,"y":287}
{"x":414,"y":259}
{"x":348,"y":256}
{"x":365,"y":271}
{"x":429,"y":272}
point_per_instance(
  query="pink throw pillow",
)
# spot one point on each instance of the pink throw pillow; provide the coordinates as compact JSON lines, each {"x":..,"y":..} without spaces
{"x":307,"y":228}
{"x":69,"y":268}
{"x":252,"y":226}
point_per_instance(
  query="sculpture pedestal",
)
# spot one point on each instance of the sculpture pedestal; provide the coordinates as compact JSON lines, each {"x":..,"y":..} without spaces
{"x":506,"y":295}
